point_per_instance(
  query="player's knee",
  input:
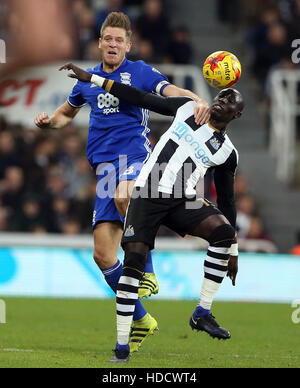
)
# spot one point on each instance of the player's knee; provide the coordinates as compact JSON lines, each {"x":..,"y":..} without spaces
{"x":121,"y":205}
{"x":222,"y":236}
{"x":102,"y":259}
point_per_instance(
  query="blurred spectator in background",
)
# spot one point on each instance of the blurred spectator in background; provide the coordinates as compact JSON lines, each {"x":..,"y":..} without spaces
{"x":296,"y":249}
{"x":30,"y":218}
{"x":272,"y":51}
{"x":3,"y":219}
{"x":179,"y":49}
{"x":246,"y":208}
{"x":83,"y":207}
{"x":142,"y":50}
{"x":35,"y":160}
{"x":85,"y":21}
{"x":71,"y":226}
{"x":60,"y":212}
{"x":229,"y":11}
{"x":249,"y":224}
{"x":92,"y":51}
{"x":290,"y":10}
{"x":56,"y":184}
{"x":110,"y":6}
{"x":153,"y":25}
{"x":12,"y":189}
{"x":240,"y":184}
{"x":256,"y":35}
{"x":256,"y":229}
{"x":9,"y":155}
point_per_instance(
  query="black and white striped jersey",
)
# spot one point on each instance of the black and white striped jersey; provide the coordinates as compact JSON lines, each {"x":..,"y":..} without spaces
{"x":188,"y":150}
{"x":185,"y":151}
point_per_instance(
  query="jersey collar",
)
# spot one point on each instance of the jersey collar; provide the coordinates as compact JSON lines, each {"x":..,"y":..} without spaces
{"x":220,"y":131}
{"x":123,"y":64}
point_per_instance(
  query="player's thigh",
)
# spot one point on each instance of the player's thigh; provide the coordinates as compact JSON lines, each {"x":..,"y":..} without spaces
{"x":122,"y":195}
{"x":143,"y":218}
{"x":107,"y":237}
{"x":188,"y":215}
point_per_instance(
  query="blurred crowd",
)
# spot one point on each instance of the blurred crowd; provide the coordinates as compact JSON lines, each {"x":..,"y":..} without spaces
{"x":46,"y":183}
{"x":269,"y":27}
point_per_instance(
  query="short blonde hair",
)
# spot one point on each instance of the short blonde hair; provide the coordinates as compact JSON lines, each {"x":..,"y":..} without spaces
{"x":117,"y":19}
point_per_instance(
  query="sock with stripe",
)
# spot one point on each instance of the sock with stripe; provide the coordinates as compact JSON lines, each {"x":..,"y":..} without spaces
{"x":112,"y":276}
{"x":149,"y":263}
{"x":215,"y":269}
{"x":127,"y":297}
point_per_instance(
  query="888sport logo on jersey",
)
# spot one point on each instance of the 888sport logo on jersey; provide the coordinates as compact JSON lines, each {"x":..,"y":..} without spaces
{"x":109,"y":103}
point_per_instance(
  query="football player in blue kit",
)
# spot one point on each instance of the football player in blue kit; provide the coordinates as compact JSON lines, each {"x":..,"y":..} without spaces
{"x":117,"y":148}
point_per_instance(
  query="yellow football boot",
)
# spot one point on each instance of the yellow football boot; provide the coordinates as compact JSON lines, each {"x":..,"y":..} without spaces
{"x":148,"y":285}
{"x":140,"y":330}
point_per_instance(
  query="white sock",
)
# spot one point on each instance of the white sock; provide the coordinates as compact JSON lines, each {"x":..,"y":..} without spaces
{"x":208,"y":292}
{"x":215,"y":269}
{"x":127,"y":292}
{"x":123,"y":327}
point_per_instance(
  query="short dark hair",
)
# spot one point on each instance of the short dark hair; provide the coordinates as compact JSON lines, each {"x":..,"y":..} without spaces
{"x":117,"y":19}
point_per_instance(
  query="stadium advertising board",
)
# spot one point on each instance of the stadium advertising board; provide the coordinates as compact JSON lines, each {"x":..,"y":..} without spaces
{"x":34,"y":90}
{"x":65,"y":272}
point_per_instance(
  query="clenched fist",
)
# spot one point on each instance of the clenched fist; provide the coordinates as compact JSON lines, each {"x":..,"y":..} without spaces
{"x":42,"y":120}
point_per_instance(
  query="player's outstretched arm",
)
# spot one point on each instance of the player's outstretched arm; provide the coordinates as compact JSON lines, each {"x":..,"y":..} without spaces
{"x":164,"y":105}
{"x":60,"y":118}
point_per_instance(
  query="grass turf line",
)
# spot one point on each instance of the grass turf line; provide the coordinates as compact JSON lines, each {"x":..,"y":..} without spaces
{"x":69,"y":333}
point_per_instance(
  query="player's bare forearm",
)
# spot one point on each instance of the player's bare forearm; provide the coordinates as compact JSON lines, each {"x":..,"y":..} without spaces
{"x":202,"y":110}
{"x":60,"y":118}
{"x":63,"y":116}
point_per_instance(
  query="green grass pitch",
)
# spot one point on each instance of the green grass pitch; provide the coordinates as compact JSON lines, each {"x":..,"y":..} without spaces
{"x":57,"y":333}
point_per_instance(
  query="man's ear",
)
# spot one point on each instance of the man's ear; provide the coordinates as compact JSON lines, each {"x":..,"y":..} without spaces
{"x":128,"y":48}
{"x":238,"y":115}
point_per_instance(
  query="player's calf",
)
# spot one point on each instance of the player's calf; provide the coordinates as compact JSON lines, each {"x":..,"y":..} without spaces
{"x":215,"y":269}
{"x":127,"y":294}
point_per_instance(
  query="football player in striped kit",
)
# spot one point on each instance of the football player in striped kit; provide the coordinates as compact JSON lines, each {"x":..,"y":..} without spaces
{"x":156,"y":200}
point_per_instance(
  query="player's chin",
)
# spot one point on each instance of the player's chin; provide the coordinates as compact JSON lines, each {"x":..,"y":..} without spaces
{"x":112,"y":59}
{"x":216,"y":114}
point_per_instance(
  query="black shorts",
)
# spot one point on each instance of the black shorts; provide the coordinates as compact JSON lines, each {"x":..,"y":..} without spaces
{"x":145,"y":215}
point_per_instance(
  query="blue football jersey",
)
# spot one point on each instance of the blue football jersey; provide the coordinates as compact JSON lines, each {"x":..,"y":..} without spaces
{"x":116,"y":127}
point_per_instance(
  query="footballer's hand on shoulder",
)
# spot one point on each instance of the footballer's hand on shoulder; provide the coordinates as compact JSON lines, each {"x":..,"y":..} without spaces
{"x":42,"y":120}
{"x":232,"y":268}
{"x":78,"y":73}
{"x":202,"y":112}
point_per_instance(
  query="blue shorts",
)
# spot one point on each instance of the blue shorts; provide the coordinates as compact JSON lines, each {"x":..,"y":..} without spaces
{"x":109,"y":175}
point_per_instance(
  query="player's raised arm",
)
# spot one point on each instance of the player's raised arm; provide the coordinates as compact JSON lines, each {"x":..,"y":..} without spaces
{"x":202,"y":109}
{"x":224,"y":182}
{"x":164,"y":105}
